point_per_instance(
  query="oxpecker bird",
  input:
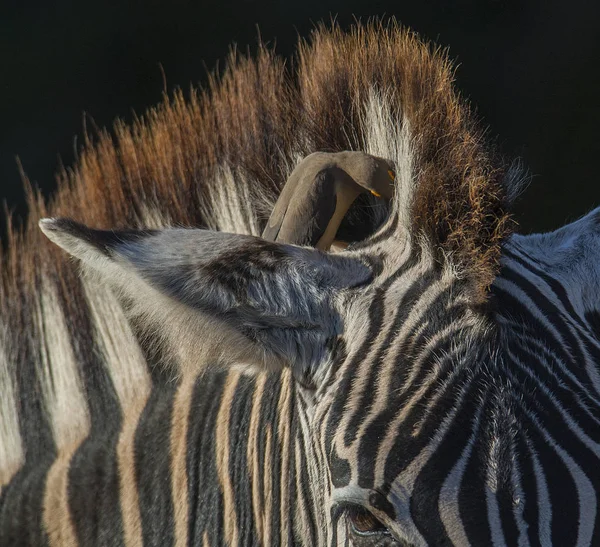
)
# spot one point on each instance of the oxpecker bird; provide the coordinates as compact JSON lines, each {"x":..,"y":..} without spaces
{"x":319,"y":193}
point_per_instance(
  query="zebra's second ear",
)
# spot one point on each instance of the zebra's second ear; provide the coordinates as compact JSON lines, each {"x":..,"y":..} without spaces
{"x":218,"y":296}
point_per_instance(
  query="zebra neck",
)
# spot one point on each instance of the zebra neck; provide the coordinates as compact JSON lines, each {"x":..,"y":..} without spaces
{"x":249,"y":466}
{"x":222,"y":459}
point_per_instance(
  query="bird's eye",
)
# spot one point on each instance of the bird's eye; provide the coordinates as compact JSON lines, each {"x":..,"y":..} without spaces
{"x":392,"y":175}
{"x":363,"y":522}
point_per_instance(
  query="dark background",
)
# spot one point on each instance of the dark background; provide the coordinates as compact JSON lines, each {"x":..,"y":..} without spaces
{"x":530,"y":67}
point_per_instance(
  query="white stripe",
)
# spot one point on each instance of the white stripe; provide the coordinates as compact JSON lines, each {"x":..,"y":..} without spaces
{"x":448,"y":503}
{"x":62,"y":388}
{"x":519,"y":501}
{"x":388,"y":137}
{"x":543,"y":501}
{"x":558,"y":337}
{"x":11,"y":446}
{"x":232,"y":205}
{"x":122,"y":354}
{"x":586,"y":494}
{"x":360,"y":332}
{"x":402,"y":488}
{"x":494,"y":519}
{"x":566,"y":415}
{"x":566,"y":320}
{"x":535,"y":346}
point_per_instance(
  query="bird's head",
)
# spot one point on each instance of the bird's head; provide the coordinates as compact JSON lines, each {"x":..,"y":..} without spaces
{"x":374,"y":174}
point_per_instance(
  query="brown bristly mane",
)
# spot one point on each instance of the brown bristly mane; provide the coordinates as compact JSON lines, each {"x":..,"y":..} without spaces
{"x":257,"y":119}
{"x":219,"y":158}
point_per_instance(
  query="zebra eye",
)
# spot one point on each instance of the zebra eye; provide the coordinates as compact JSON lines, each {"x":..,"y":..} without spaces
{"x":364,"y":522}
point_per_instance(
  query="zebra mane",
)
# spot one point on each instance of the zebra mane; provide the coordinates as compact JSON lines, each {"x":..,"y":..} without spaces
{"x":218,"y":159}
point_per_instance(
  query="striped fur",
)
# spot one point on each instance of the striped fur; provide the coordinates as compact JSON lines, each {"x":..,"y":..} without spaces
{"x":436,"y":383}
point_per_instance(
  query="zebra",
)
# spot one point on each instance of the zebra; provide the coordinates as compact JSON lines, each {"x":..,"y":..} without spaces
{"x":183,"y":381}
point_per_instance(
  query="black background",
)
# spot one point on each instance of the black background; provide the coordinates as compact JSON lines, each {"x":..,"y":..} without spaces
{"x":530,"y":67}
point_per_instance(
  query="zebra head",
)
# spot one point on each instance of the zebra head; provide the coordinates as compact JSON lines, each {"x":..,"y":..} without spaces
{"x":441,"y":378}
{"x":384,"y":340}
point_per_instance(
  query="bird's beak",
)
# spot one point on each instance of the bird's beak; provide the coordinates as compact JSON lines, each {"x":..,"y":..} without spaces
{"x":392,"y":175}
{"x":375,"y":194}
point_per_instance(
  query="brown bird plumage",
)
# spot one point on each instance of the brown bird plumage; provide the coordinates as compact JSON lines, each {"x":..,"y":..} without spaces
{"x":319,"y":192}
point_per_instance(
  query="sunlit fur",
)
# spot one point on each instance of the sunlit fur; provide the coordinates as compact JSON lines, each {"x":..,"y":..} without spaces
{"x":195,"y":386}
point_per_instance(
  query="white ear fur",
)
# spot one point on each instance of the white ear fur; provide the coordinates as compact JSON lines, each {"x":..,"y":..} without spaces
{"x":63,"y":233}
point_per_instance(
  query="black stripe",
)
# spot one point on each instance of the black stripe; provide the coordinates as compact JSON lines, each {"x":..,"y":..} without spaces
{"x":554,"y":284}
{"x":561,"y":489}
{"x":350,"y":373}
{"x":453,"y":369}
{"x":269,"y":417}
{"x":34,"y":423}
{"x":380,"y":236}
{"x":593,"y":319}
{"x":205,"y":499}
{"x":21,"y":507}
{"x":406,"y":446}
{"x":93,"y":489}
{"x":376,"y":318}
{"x":472,"y":501}
{"x":505,"y":497}
{"x":531,"y":511}
{"x":239,"y":428}
{"x":307,"y":494}
{"x":101,"y":397}
{"x":424,"y":507}
{"x":512,"y":307}
{"x":292,"y":471}
{"x":534,"y":386}
{"x":153,"y":467}
{"x":551,"y":314}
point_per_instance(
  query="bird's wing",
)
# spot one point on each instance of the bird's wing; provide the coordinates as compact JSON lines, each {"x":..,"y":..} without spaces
{"x":318,"y":210}
{"x":303,"y":211}
{"x":273,"y":226}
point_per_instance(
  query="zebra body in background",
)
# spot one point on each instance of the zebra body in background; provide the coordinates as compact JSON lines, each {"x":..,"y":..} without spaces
{"x":436,"y":383}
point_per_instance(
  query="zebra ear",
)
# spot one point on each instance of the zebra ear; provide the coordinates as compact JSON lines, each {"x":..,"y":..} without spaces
{"x":217,"y":295}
